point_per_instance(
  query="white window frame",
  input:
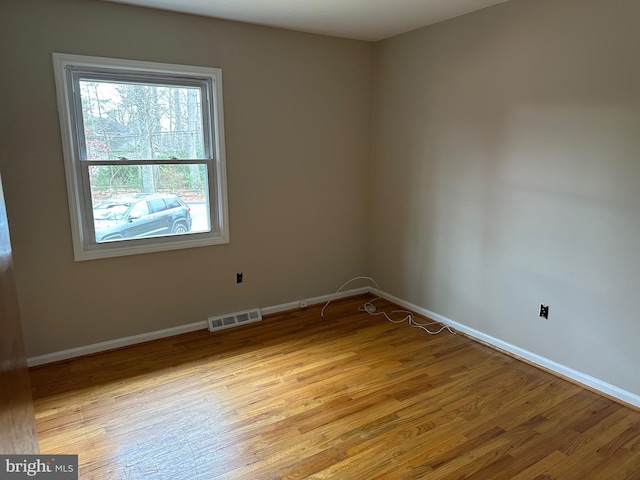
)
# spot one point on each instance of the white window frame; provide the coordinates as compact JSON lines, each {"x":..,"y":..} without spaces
{"x":85,"y":246}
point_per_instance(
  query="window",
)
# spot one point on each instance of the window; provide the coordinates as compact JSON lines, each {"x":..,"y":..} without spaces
{"x":144,"y":155}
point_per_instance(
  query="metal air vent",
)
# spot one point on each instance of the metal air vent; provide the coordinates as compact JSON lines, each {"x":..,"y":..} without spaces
{"x":234,"y":319}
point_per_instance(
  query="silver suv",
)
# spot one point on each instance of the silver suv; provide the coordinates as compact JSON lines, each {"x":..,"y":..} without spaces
{"x":140,"y":216}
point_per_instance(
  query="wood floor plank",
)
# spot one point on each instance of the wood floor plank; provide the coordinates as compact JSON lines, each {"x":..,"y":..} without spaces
{"x":348,"y":396}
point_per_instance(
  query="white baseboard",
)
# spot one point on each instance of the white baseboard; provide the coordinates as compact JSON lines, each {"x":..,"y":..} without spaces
{"x":562,"y":370}
{"x":169,"y":332}
{"x":313,"y":300}
{"x":112,"y":344}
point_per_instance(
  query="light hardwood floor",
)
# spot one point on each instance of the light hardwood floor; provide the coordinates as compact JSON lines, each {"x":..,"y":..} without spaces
{"x":349,"y":396}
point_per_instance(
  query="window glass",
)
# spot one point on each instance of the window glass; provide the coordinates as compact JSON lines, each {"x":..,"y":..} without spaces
{"x":157,"y":205}
{"x":172,"y":202}
{"x":139,"y":210}
{"x":142,"y":137}
{"x":140,"y":121}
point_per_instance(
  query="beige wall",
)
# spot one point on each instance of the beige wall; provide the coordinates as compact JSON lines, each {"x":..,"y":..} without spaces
{"x":506,"y":174}
{"x":298,"y":110}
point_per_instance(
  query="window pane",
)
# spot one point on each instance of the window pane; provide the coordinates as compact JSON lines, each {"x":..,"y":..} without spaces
{"x":143,"y":201}
{"x":141,"y":121}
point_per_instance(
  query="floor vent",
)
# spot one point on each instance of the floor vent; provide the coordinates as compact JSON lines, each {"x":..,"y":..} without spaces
{"x":234,"y":319}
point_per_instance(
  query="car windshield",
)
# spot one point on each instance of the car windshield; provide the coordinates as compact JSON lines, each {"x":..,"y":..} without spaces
{"x":110,"y":211}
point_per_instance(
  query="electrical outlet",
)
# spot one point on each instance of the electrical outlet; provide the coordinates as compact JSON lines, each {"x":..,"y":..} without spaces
{"x":239,"y":277}
{"x":304,"y":303}
{"x":544,"y":311}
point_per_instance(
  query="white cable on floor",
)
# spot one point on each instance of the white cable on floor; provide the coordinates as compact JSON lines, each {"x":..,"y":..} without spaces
{"x":370,"y":308}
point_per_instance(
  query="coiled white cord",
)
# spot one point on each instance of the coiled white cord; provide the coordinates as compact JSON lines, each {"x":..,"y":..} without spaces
{"x":371,"y":309}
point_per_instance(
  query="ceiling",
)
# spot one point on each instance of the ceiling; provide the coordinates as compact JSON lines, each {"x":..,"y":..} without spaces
{"x":358,"y":19}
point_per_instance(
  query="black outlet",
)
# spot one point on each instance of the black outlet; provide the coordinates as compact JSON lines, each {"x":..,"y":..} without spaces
{"x":544,"y":311}
{"x":239,"y":277}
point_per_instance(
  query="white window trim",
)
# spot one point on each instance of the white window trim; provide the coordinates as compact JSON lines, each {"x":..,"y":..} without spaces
{"x":81,"y":248}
